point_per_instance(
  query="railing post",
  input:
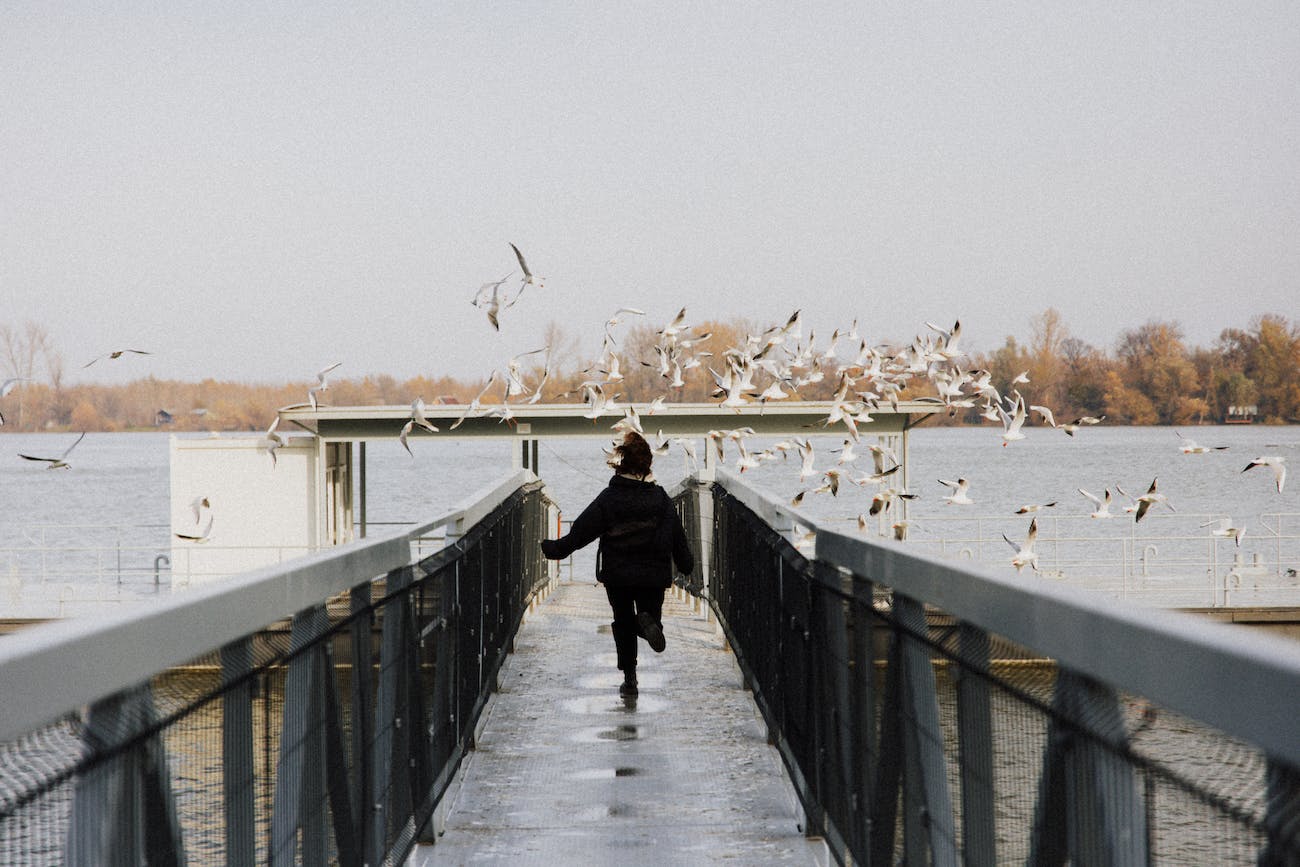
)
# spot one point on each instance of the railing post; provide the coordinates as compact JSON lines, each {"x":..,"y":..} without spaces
{"x":925,"y":778}
{"x":862,"y":722}
{"x":123,"y":811}
{"x":1282,"y":816}
{"x":1089,"y":810}
{"x":975,"y":728}
{"x":705,"y":527}
{"x":362,"y":712}
{"x":238,"y":775}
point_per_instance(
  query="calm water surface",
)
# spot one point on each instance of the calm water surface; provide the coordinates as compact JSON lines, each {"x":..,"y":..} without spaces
{"x":113,"y":502}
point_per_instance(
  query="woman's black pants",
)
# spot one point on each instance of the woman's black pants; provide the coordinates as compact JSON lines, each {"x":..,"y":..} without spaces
{"x":626,"y":603}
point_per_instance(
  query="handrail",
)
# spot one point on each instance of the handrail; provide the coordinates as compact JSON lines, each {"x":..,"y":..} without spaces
{"x":77,"y":662}
{"x":1242,"y":682}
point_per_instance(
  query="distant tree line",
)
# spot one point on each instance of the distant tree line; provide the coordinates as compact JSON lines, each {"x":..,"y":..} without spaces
{"x":1149,"y":377}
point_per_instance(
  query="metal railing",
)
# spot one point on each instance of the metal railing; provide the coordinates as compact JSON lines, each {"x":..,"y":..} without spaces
{"x":941,"y":712}
{"x":311,"y":712}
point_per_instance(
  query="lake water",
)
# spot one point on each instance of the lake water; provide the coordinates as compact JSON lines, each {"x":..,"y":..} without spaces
{"x":104,"y":522}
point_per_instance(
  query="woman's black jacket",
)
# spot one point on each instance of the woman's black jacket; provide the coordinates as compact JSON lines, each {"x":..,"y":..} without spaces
{"x":640,"y":535}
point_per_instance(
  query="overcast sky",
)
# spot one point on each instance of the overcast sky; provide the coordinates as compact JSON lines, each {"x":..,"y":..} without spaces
{"x":254,"y":190}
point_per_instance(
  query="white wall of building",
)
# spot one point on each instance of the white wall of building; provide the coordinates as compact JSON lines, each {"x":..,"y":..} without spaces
{"x":262,"y":512}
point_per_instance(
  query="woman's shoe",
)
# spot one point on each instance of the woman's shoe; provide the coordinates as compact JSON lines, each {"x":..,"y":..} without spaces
{"x":629,"y":684}
{"x":651,"y":631}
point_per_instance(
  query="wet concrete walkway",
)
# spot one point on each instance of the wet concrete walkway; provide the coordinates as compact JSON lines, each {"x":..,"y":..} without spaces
{"x":567,"y":772}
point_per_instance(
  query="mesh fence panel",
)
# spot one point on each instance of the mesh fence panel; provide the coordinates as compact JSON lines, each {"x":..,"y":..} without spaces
{"x":913,"y":738}
{"x":324,"y":739}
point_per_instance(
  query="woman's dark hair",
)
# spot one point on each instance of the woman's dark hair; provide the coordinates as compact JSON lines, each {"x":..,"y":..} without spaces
{"x":632,"y":457}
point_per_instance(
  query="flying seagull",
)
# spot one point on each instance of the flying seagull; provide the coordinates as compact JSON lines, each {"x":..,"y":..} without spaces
{"x":1151,"y":496}
{"x":1277,"y":462}
{"x":1025,"y":555}
{"x":530,"y":279}
{"x":1191,"y":447}
{"x":958,"y":497}
{"x":59,"y":463}
{"x":117,"y":353}
{"x":321,"y":383}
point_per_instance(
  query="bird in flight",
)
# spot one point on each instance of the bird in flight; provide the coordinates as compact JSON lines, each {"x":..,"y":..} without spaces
{"x":1072,"y":426}
{"x":1025,"y":555}
{"x":1278,"y":465}
{"x":1191,"y":447}
{"x":271,"y":441}
{"x":1102,"y":509}
{"x":959,"y":495}
{"x":117,"y":353}
{"x":489,"y":297}
{"x":1223,"y":527}
{"x":1151,"y":496}
{"x":197,"y":506}
{"x":321,"y":383}
{"x":530,"y":279}
{"x":59,"y":463}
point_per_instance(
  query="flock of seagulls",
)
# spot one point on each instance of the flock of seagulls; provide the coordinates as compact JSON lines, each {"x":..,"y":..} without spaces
{"x":771,"y":365}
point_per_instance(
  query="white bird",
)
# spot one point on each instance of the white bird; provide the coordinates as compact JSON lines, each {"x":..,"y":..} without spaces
{"x":948,"y":349}
{"x":1012,"y":422}
{"x":321,"y":383}
{"x":530,"y":279}
{"x":489,"y":297}
{"x":1033,"y":507}
{"x":1191,"y":447}
{"x":1046,"y":413}
{"x":676,"y":326}
{"x":418,"y":416}
{"x":1102,"y":509}
{"x":884,"y":499}
{"x":199,"y":536}
{"x":1226,"y":529}
{"x":59,"y":463}
{"x":197,"y":505}
{"x":1278,"y":464}
{"x":474,"y":404}
{"x":514,"y":373}
{"x":117,"y":353}
{"x":618,"y":318}
{"x":1145,"y":501}
{"x":1025,"y":555}
{"x":629,"y":421}
{"x":271,"y":440}
{"x":1071,"y":427}
{"x":958,"y":497}
{"x":805,"y":448}
{"x":688,"y":448}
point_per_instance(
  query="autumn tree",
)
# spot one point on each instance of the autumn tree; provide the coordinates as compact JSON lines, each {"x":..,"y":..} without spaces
{"x":1156,"y":363}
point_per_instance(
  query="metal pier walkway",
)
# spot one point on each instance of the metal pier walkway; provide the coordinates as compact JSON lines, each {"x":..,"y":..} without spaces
{"x":566,"y":771}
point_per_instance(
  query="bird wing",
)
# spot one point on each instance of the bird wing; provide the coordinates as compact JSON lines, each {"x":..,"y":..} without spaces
{"x":522,"y":263}
{"x":69,"y":449}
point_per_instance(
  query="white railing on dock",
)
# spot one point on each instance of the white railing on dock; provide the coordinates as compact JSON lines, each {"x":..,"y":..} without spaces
{"x":1169,"y":560}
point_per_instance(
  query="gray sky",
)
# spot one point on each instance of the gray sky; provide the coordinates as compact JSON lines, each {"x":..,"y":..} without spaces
{"x":255,"y":190}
